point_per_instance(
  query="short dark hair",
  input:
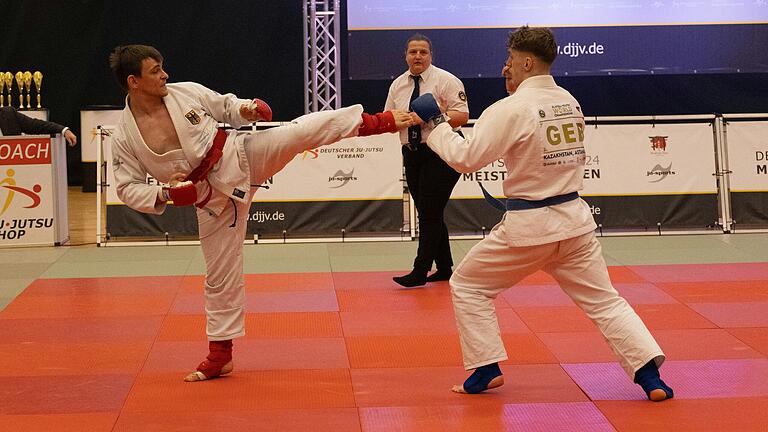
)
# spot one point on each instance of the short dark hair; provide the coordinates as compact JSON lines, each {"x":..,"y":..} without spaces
{"x":538,"y":41}
{"x":126,"y":60}
{"x":418,"y":37}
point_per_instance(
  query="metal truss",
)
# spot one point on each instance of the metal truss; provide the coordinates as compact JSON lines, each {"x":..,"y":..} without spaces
{"x":322,"y":55}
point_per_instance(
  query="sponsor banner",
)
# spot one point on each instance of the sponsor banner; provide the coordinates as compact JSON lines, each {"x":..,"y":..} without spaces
{"x":470,"y":216}
{"x":122,"y":221}
{"x":748,"y":162}
{"x":354,"y":184}
{"x":749,"y":209}
{"x":326,"y":218}
{"x":27,"y":191}
{"x":25,"y":151}
{"x":410,"y":14}
{"x":673,"y":163}
{"x":627,"y":160}
{"x":698,"y":212}
{"x":269,"y":219}
{"x":649,"y":159}
{"x":360,"y":168}
{"x":367,"y":168}
{"x":582,"y":51}
{"x":695,"y":212}
{"x":748,"y":155}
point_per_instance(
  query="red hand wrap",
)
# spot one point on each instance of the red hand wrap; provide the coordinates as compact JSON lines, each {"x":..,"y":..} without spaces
{"x":261,"y":107}
{"x":183,"y":195}
{"x":377,"y":124}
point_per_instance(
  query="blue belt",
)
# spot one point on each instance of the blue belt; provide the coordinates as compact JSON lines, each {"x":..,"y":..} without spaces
{"x":521,"y":204}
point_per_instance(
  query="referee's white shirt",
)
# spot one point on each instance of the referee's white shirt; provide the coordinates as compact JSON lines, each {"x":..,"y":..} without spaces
{"x":444,"y":86}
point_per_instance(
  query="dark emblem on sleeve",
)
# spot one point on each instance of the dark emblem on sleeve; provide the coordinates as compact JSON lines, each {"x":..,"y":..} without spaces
{"x":463,"y":96}
{"x":238,"y":193}
{"x":193,"y":117}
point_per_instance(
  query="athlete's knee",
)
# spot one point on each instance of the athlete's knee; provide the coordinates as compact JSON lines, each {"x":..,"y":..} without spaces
{"x":213,"y":287}
{"x":229,"y":282}
{"x":458,"y":282}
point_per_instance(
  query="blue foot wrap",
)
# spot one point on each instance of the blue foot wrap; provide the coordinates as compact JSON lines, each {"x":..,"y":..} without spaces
{"x":481,"y":378}
{"x":648,"y":378}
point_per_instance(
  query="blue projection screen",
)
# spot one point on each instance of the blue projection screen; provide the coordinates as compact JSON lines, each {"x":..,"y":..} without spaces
{"x":595,"y":37}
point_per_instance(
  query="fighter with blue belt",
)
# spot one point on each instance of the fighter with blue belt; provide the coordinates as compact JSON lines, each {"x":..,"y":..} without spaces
{"x":539,"y":132}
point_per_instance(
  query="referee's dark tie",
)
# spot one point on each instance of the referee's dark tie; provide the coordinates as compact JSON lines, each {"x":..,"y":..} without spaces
{"x":414,"y":132}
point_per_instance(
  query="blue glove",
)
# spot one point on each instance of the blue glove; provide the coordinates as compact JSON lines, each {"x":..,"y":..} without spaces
{"x":425,"y":106}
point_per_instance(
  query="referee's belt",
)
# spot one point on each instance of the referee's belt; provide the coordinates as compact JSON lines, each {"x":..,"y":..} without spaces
{"x":513,"y":204}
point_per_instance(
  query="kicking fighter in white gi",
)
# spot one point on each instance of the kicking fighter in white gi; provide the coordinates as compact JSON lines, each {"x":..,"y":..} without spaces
{"x":539,"y":131}
{"x":170,"y":131}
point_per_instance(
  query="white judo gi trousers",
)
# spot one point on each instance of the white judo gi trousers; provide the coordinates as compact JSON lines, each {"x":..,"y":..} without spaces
{"x":222,"y":236}
{"x":577,"y":264}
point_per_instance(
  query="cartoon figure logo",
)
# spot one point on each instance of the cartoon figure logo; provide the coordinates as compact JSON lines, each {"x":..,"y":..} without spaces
{"x":658,"y":143}
{"x":9,"y":184}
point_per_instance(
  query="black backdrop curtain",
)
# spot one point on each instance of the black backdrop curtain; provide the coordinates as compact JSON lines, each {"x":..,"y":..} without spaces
{"x":251,"y":48}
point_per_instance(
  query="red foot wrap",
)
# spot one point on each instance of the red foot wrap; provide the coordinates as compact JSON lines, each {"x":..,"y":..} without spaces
{"x":377,"y":124}
{"x":220,"y":353}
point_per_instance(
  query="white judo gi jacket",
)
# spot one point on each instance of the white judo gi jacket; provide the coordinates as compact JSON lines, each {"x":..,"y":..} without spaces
{"x":195,"y":112}
{"x":539,"y":133}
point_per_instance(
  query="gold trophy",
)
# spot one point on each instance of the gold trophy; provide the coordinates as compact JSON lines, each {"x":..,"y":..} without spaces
{"x":2,"y":88}
{"x":28,"y":85}
{"x":8,"y":79}
{"x":38,"y":77}
{"x":20,"y":85}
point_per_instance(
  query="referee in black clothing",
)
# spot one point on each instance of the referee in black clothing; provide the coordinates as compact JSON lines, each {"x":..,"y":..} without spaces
{"x":430,"y":180}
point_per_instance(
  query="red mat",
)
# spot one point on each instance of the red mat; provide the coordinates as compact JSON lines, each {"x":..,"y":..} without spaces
{"x":354,"y":352}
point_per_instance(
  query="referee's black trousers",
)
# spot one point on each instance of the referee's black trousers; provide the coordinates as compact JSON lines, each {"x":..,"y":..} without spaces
{"x":430,"y":182}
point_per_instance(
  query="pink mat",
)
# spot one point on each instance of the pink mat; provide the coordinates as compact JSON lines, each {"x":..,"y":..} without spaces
{"x":695,"y":379}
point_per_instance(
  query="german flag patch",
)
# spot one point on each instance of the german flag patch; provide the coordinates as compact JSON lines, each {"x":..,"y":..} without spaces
{"x":193,"y":117}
